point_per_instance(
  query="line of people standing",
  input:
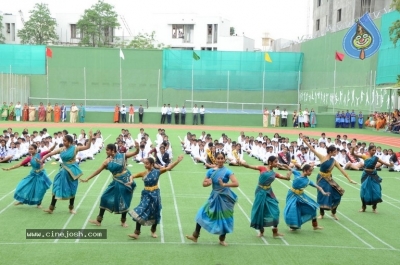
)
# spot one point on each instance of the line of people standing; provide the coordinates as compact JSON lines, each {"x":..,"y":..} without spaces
{"x":180,"y":114}
{"x":120,"y":114}
{"x":42,"y":113}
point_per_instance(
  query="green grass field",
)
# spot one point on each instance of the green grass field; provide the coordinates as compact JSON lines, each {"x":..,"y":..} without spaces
{"x":357,"y":238}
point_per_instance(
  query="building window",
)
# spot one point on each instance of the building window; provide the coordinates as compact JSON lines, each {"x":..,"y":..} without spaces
{"x":339,"y":15}
{"x":319,"y":2}
{"x":365,"y":6}
{"x":317,"y":25}
{"x":8,"y":27}
{"x":73,"y":31}
{"x":177,"y":31}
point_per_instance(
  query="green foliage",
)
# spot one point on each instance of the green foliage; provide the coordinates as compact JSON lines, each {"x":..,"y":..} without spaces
{"x":97,"y":24}
{"x":145,"y":41}
{"x":232,"y":31}
{"x":394,"y":30}
{"x":2,"y":38}
{"x":40,"y":28}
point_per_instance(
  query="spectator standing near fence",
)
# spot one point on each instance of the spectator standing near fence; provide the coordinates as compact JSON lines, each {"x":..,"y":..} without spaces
{"x":202,"y":112}
{"x":163,"y":113}
{"x":131,"y":118}
{"x":63,"y":112}
{"x":141,"y":113}
{"x":57,"y":113}
{"x":183,"y":115}
{"x":82,"y":114}
{"x":116,"y":113}
{"x":195,"y":112}
{"x":122,"y":110}
{"x":177,"y":110}
{"x":277,"y":117}
{"x":169,"y":114}
{"x":18,"y":111}
{"x":73,"y":113}
{"x":49,"y":110}
{"x":284,"y":114}
{"x":313,"y":118}
{"x":265,"y":117}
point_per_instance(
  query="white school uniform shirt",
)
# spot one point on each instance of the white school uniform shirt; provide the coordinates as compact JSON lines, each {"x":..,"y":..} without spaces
{"x":203,"y":137}
{"x":227,"y":148}
{"x":202,"y":110}
{"x":260,"y":139}
{"x":177,"y":110}
{"x":142,"y":154}
{"x":284,"y":114}
{"x":329,"y":144}
{"x":322,"y":140}
{"x":194,"y":150}
{"x":277,"y":112}
{"x":164,"y":110}
{"x":122,"y":110}
{"x":139,"y":137}
{"x":195,"y":110}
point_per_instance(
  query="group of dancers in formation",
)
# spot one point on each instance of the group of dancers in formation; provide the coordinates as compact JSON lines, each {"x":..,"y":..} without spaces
{"x":216,"y":215}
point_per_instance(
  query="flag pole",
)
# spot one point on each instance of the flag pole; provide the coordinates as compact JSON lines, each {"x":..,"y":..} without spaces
{"x":84,"y":82}
{"x":192,"y":83}
{"x":334,"y":87}
{"x":262,"y":105}
{"x":47,"y":78}
{"x":120,"y":81}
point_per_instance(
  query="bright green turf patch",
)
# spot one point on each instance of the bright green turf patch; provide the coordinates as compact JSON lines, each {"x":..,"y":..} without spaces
{"x":357,"y":238}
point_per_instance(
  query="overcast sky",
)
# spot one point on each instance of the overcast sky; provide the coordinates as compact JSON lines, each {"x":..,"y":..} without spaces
{"x":281,"y":18}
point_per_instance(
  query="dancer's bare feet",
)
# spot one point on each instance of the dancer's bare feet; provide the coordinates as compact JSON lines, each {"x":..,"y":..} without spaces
{"x":72,"y":212}
{"x":154,"y":235}
{"x":318,"y":228}
{"x":321,"y":217}
{"x":374,"y":211}
{"x":48,"y":211}
{"x":277,"y":235}
{"x":362,"y":210}
{"x":260,"y":234}
{"x":95,"y":222}
{"x":194,"y":239}
{"x":18,"y":203}
{"x":124,"y":225}
{"x":335,"y":217}
{"x":223,"y":243}
{"x":134,"y":236}
{"x":39,"y":206}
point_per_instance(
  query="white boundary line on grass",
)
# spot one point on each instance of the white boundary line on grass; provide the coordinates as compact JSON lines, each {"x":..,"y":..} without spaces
{"x":12,"y":203}
{"x":7,"y":194}
{"x":77,"y":207}
{"x":248,"y":218}
{"x":251,"y":203}
{"x":176,"y":208}
{"x":94,"y":205}
{"x":351,"y":232}
{"x":199,"y":243}
{"x":382,"y":193}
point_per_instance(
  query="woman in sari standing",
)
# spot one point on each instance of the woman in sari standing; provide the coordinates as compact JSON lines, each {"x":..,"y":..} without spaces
{"x":299,"y":207}
{"x":116,"y":114}
{"x":18,"y":111}
{"x":148,"y":212}
{"x":42,"y":112}
{"x":11,"y":112}
{"x":32,"y":113}
{"x":82,"y":113}
{"x":66,"y":181}
{"x":216,"y":215}
{"x":325,"y":180}
{"x":313,"y":118}
{"x":25,"y":112}
{"x":118,"y":196}
{"x":4,"y":111}
{"x":306,"y":116}
{"x":371,"y":191}
{"x":57,"y":113}
{"x":32,"y":188}
{"x":265,"y":118}
{"x":265,"y":210}
{"x":49,"y":110}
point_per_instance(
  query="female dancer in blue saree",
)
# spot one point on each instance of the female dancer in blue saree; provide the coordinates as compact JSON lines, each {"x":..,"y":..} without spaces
{"x":324,"y":179}
{"x":65,"y":182}
{"x":32,"y":188}
{"x":118,"y":196}
{"x":371,"y":191}
{"x":265,"y":210}
{"x":216,"y":215}
{"x":299,"y":207}
{"x":148,"y":212}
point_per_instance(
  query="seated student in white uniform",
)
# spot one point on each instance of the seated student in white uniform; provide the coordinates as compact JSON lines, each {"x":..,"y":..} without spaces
{"x":199,"y":156}
{"x":395,"y":159}
{"x":19,"y":150}
{"x":260,"y":137}
{"x":268,"y":154}
{"x":254,"y":150}
{"x":342,"y":158}
{"x":237,"y":156}
{"x":301,"y":159}
{"x":385,"y":157}
{"x":329,"y":142}
{"x":250,"y":146}
{"x":143,"y":154}
{"x":353,"y":162}
{"x":262,"y":151}
{"x":188,"y":147}
{"x":194,"y":148}
{"x":12,"y":151}
{"x":228,"y":146}
{"x":81,"y":156}
{"x":159,"y":138}
{"x":162,"y":159}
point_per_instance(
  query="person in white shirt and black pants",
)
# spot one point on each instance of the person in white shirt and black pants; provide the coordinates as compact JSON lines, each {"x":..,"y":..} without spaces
{"x":163,"y":114}
{"x":195,"y":112}
{"x":122,"y":110}
{"x":284,"y":114}
{"x":183,"y":115}
{"x":177,"y":111}
{"x":202,"y":111}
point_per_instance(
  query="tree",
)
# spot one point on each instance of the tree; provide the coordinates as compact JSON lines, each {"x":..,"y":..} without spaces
{"x":2,"y":38}
{"x":97,"y":25}
{"x":232,"y":31}
{"x":40,"y":28}
{"x":145,"y":41}
{"x":394,"y":30}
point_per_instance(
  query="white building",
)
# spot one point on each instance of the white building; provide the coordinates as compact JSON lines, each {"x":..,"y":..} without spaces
{"x":11,"y":24}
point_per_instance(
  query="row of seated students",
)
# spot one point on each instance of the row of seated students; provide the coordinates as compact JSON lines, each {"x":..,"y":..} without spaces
{"x":294,"y":153}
